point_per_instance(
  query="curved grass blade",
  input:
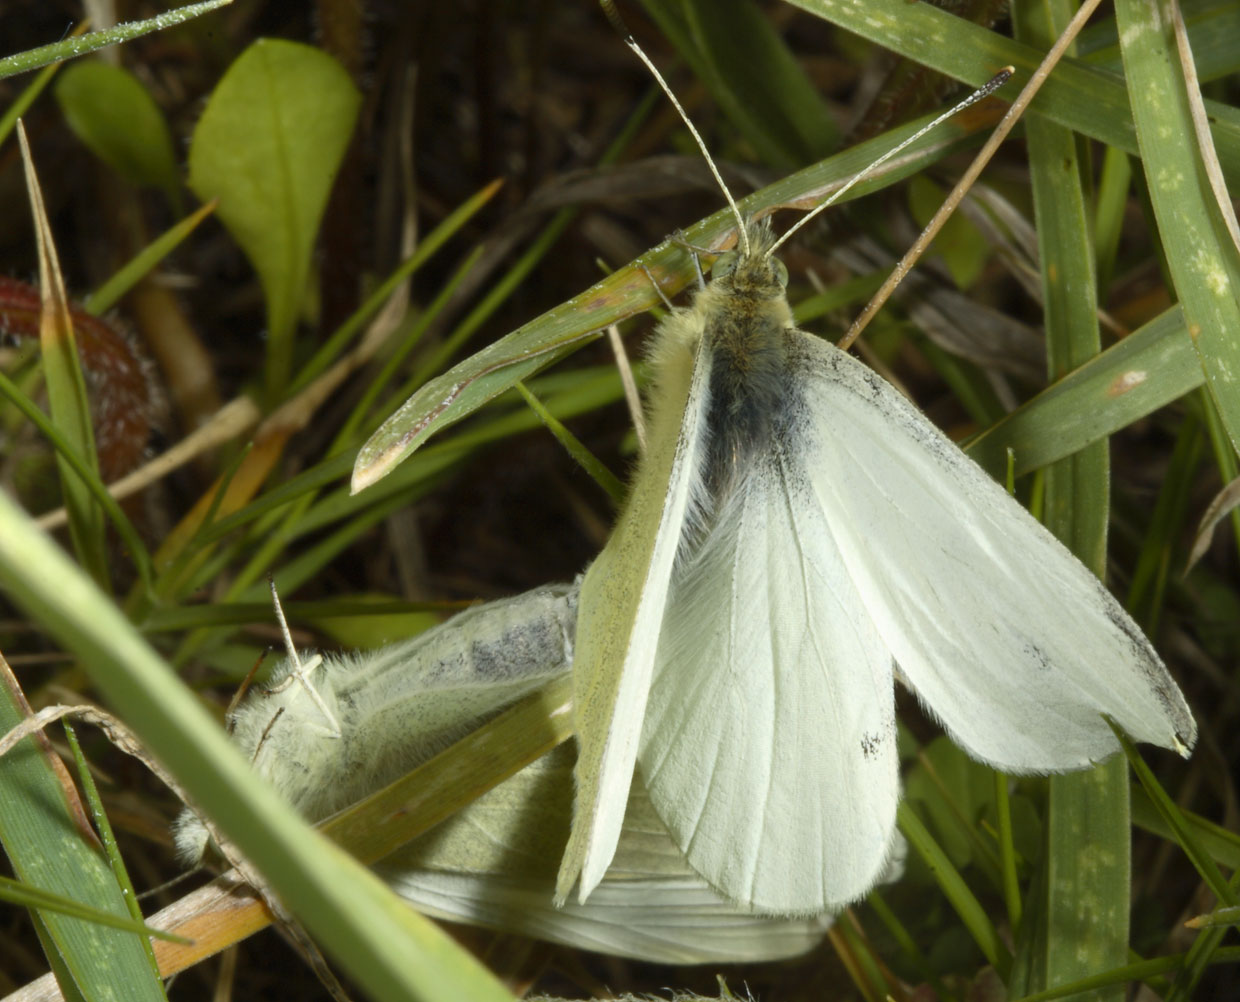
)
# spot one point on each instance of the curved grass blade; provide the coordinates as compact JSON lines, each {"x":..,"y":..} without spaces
{"x":66,"y":388}
{"x":75,"y":46}
{"x":1207,"y":944}
{"x":954,"y":887}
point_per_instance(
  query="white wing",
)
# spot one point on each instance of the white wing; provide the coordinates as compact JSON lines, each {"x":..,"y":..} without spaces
{"x":667,"y":920}
{"x":622,"y":601}
{"x":493,"y":863}
{"x":769,"y":743}
{"x":1010,"y":640}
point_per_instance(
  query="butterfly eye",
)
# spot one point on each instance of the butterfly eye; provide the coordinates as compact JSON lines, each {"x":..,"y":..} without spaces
{"x":780,"y":271}
{"x":724,"y":265}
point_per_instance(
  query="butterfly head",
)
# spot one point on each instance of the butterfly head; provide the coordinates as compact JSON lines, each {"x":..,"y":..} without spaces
{"x":751,"y":270}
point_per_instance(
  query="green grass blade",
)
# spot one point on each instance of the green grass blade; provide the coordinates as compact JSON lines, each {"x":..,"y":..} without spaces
{"x":115,"y":288}
{"x":1140,"y":970}
{"x":25,"y":99}
{"x":52,"y":849}
{"x":1208,"y":942}
{"x":427,"y":247}
{"x":66,"y":389}
{"x":1147,"y":370}
{"x":1196,"y":221}
{"x":103,"y":827}
{"x":88,"y":476}
{"x":1213,"y":32}
{"x":954,"y":887}
{"x":573,"y":446}
{"x":1222,"y":844}
{"x":449,"y":398}
{"x":1154,"y":570}
{"x":1085,"y":912}
{"x":1175,"y":820}
{"x":36,"y":898}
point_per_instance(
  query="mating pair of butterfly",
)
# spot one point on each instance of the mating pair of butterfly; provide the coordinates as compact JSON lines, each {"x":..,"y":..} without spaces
{"x":797,"y":534}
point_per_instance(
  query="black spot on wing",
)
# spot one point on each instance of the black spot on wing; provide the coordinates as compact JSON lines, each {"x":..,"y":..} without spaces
{"x":1035,"y":656}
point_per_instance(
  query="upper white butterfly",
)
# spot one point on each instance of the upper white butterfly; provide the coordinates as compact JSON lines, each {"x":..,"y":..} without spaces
{"x":795,"y":529}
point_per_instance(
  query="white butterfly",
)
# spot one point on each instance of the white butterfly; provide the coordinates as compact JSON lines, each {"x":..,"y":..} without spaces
{"x":795,"y":531}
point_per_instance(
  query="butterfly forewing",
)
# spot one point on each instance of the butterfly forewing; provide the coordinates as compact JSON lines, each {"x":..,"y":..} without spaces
{"x":1012,"y":643}
{"x":622,"y":602}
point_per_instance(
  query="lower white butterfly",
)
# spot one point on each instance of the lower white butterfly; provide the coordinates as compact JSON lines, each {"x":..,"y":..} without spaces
{"x":333,"y":729}
{"x":795,"y":531}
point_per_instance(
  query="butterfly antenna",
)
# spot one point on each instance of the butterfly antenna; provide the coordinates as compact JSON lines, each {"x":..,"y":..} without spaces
{"x":298,"y":670}
{"x":988,"y":88}
{"x":622,"y":29}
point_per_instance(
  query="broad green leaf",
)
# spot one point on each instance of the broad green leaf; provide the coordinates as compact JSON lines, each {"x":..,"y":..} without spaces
{"x":268,"y":147}
{"x":112,"y":113}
